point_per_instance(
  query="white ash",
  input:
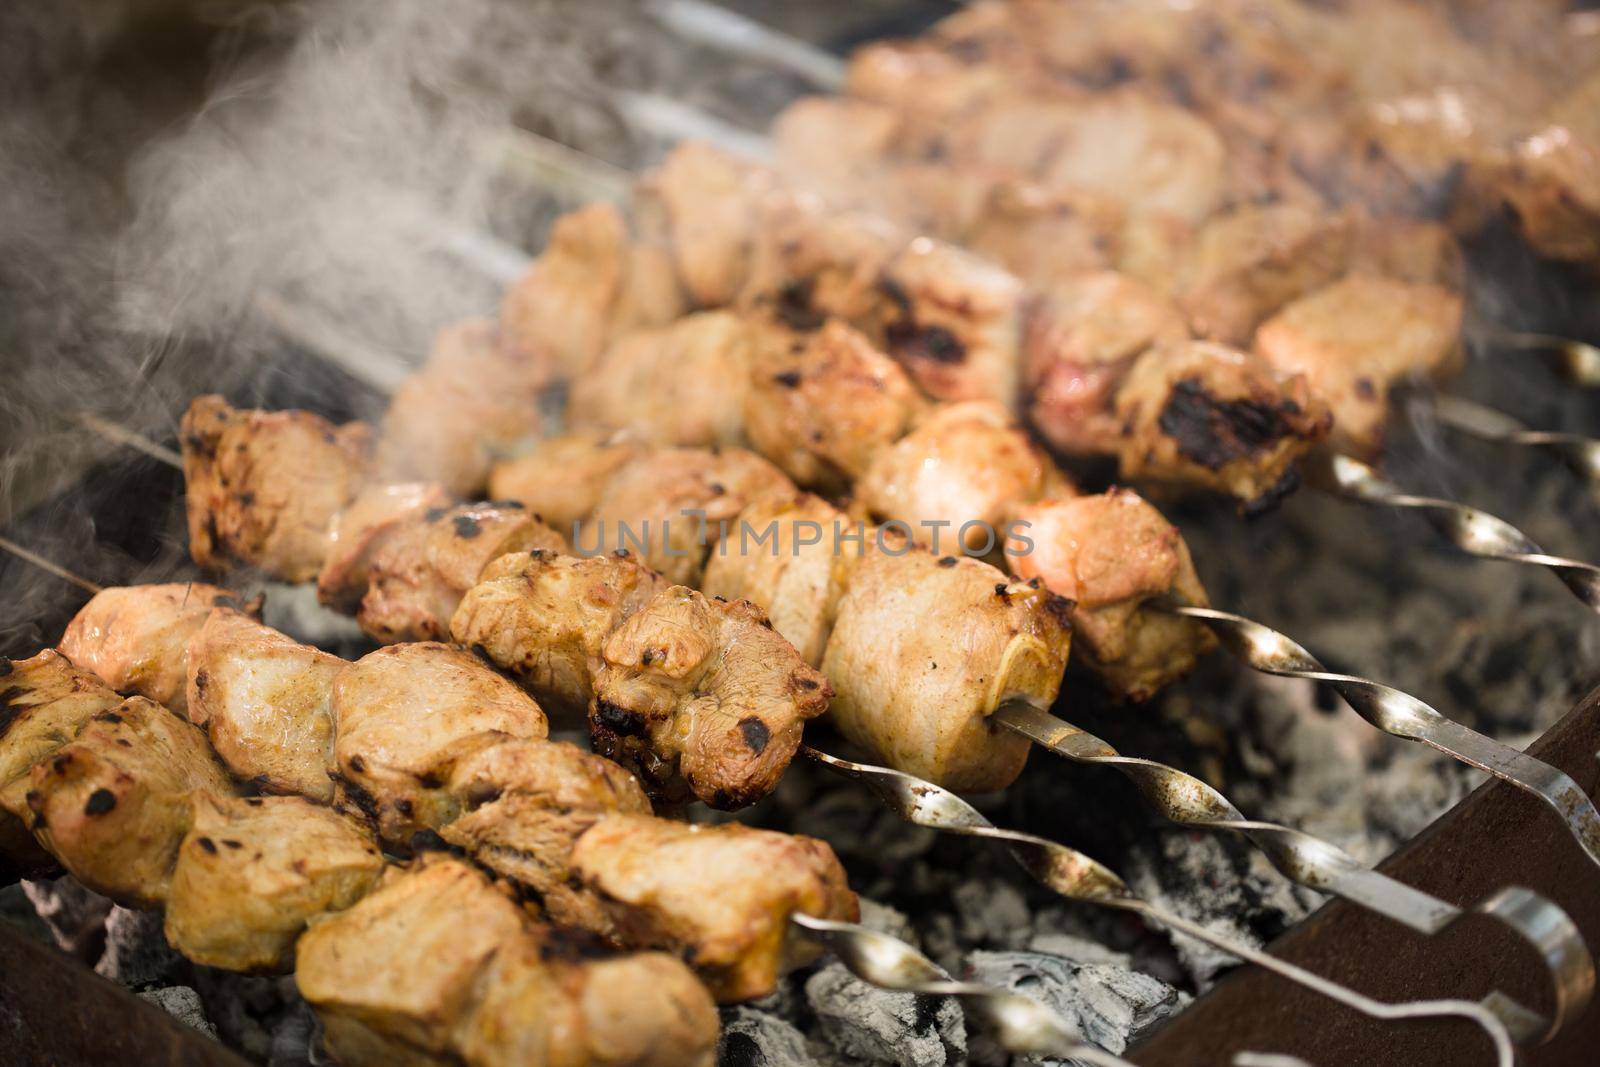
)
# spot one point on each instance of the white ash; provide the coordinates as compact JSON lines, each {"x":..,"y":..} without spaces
{"x":136,"y":951}
{"x":75,"y":916}
{"x":754,"y":1038}
{"x":880,"y":1026}
{"x":183,"y":1004}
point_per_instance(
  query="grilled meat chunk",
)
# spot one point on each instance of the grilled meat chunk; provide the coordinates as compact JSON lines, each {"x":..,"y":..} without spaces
{"x":113,"y":804}
{"x":561,"y":480}
{"x":263,"y":486}
{"x":361,"y":529}
{"x":701,"y":203}
{"x":474,"y":401}
{"x":1357,"y":339}
{"x":404,"y":715}
{"x":438,"y":966}
{"x":689,"y":888}
{"x":543,"y":617}
{"x":135,"y":638}
{"x":924,"y":648}
{"x":1203,"y":414}
{"x":253,"y":873}
{"x":423,"y":568}
{"x":1553,"y":180}
{"x":679,"y":384}
{"x":703,"y":697}
{"x":1109,"y":554}
{"x":263,"y":699}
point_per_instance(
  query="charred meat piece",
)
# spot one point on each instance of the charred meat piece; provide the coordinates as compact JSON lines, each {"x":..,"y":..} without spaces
{"x":702,"y":697}
{"x":134,"y":638}
{"x":361,"y":528}
{"x":1109,"y":554}
{"x":263,"y":699}
{"x":1203,"y":414}
{"x":924,"y":648}
{"x":691,"y":889}
{"x":263,"y":486}
{"x":252,"y":874}
{"x":439,"y":966}
{"x":679,"y":384}
{"x":1357,"y":339}
{"x":474,"y":401}
{"x":543,"y":618}
{"x":404,"y":715}
{"x":423,"y":568}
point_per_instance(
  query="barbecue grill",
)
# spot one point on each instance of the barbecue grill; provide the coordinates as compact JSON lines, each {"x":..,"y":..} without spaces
{"x":111,"y":515}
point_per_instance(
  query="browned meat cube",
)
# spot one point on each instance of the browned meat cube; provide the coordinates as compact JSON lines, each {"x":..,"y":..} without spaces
{"x":561,"y":480}
{"x":361,"y":529}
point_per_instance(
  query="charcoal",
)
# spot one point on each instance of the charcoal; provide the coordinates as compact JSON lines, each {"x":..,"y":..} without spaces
{"x":875,"y":1025}
{"x":136,"y":953}
{"x":76,"y":916}
{"x":18,"y":910}
{"x":183,"y":1004}
{"x":755,"y":1038}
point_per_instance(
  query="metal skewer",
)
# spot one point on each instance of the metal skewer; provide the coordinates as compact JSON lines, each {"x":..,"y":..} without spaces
{"x":1581,"y":454}
{"x":716,"y":26}
{"x":1078,"y":877}
{"x":1576,"y":361}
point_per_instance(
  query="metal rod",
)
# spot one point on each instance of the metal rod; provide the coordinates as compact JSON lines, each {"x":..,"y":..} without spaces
{"x":1020,"y":1025}
{"x":716,"y":26}
{"x":1078,"y":877}
{"x":27,"y":556}
{"x":383,"y":370}
{"x":1473,"y":531}
{"x":1326,"y":868}
{"x":677,"y":121}
{"x":1578,"y":362}
{"x":1581,"y":454}
{"x":123,"y":436}
{"x":557,"y":167}
{"x":1403,"y":715}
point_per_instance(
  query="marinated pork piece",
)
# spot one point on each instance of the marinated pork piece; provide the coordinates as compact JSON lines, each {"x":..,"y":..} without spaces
{"x":956,"y":478}
{"x":1049,"y":237}
{"x":113,"y":804}
{"x":421,"y":570}
{"x":782,"y":554}
{"x":702,"y":204}
{"x":543,"y":617}
{"x":667,"y":506}
{"x":924,"y":649}
{"x":693,"y":889}
{"x":263,"y":699}
{"x":591,"y":283}
{"x":822,"y":404}
{"x":474,"y":401}
{"x":44,"y":701}
{"x":253,"y":873}
{"x":1081,"y":341}
{"x":438,"y":966}
{"x":1203,"y":414}
{"x":1409,"y":251}
{"x":1357,"y":339}
{"x":361,"y":529}
{"x":702,"y":697}
{"x":1553,"y":180}
{"x":134,"y":638}
{"x":404,"y":715}
{"x":680,"y":384}
{"x":1109,"y":554}
{"x":263,"y":486}
{"x":811,"y":262}
{"x":561,"y":480}
{"x":840,"y":147}
{"x":1252,"y":260}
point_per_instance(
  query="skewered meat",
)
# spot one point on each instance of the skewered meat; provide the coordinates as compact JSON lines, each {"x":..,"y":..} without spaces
{"x":781,"y":554}
{"x":113,"y":803}
{"x":701,"y":696}
{"x":405,"y":715}
{"x":254,"y":872}
{"x":700,"y":203}
{"x":1205,"y":414}
{"x":679,"y":384}
{"x":263,"y":699}
{"x":439,"y":966}
{"x":562,"y":479}
{"x":591,"y":283}
{"x":822,"y":404}
{"x":264,"y":486}
{"x":474,"y":401}
{"x":1109,"y":554}
{"x":421,"y":570}
{"x":361,"y":529}
{"x":923,"y":650}
{"x":135,"y":639}
{"x":667,"y":505}
{"x":1051,"y":237}
{"x":543,"y":618}
{"x":1553,"y":179}
{"x":744,"y":942}
{"x":965,"y":467}
{"x":1356,"y":340}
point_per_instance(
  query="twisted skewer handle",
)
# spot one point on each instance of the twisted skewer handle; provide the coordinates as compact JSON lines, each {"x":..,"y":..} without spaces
{"x":1403,"y":715}
{"x":1079,"y":877}
{"x":1576,"y":361}
{"x":1323,"y":866}
{"x":1021,"y":1026}
{"x":1473,"y":531}
{"x":1581,"y":454}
